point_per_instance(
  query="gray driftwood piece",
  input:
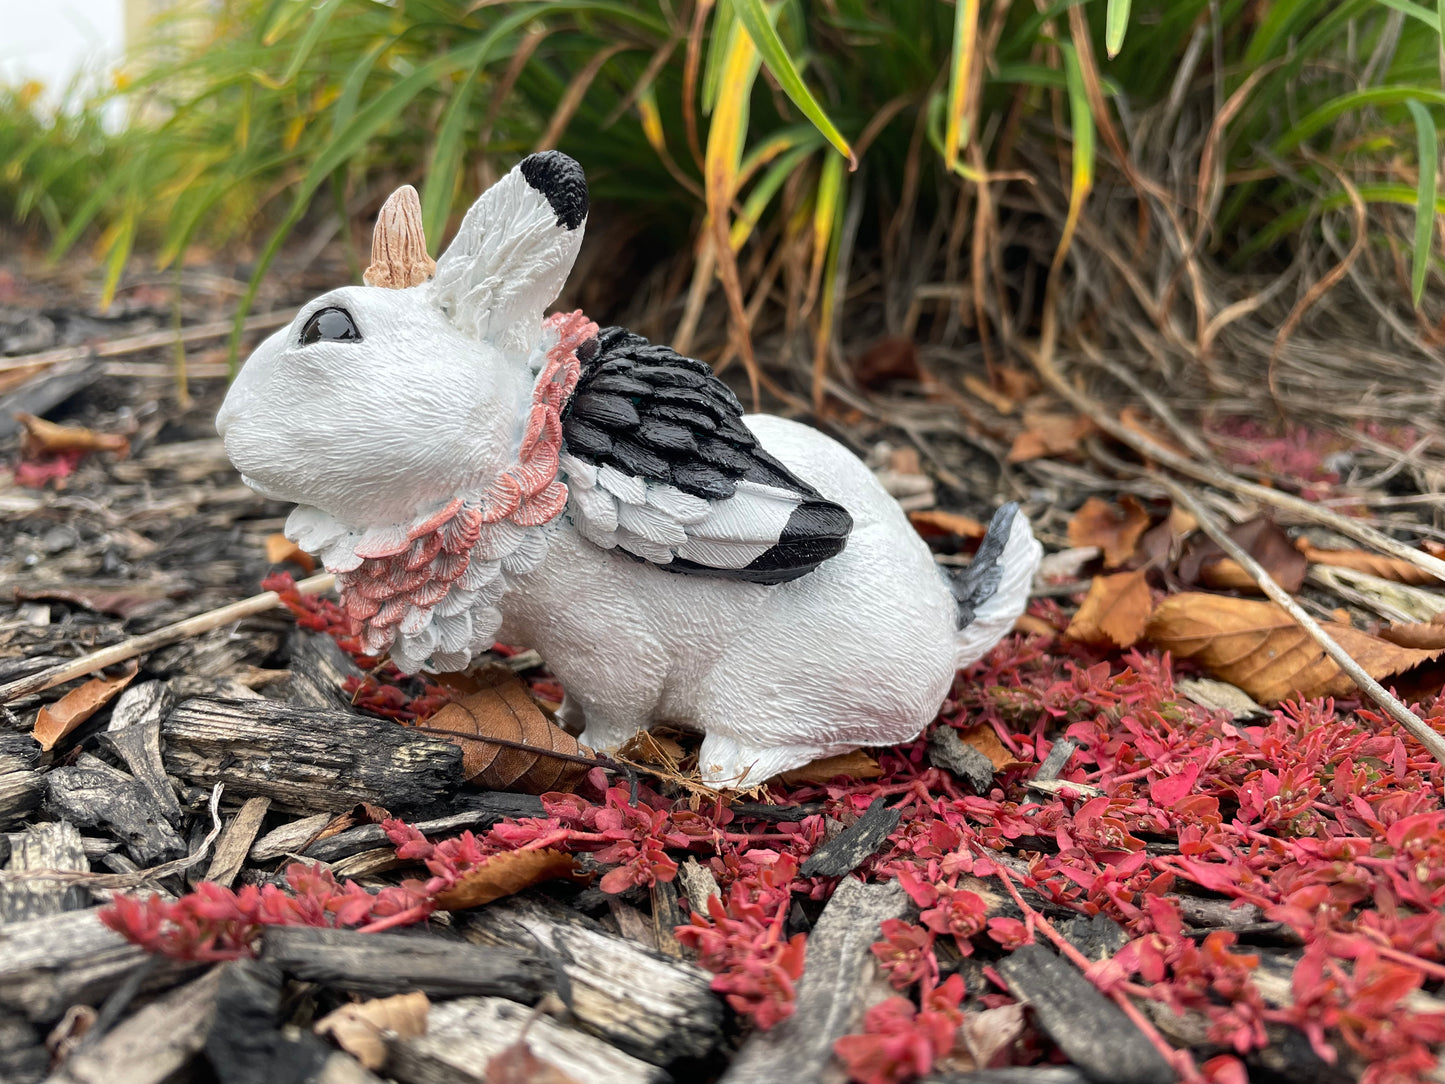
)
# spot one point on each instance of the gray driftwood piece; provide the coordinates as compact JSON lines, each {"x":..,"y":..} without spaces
{"x":948,"y":751}
{"x":839,"y":976}
{"x":1089,"y":1028}
{"x":139,"y":746}
{"x":21,"y":787}
{"x":235,"y":841}
{"x":490,"y":811}
{"x":462,"y":1036}
{"x":23,"y":1057}
{"x":378,"y":964}
{"x":307,"y":758}
{"x":640,"y":1001}
{"x":152,"y":1046}
{"x":93,"y":794}
{"x":49,"y":964}
{"x":54,"y":845}
{"x":846,"y":851}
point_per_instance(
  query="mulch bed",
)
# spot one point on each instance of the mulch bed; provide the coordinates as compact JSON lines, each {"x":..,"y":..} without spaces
{"x":1082,"y":873}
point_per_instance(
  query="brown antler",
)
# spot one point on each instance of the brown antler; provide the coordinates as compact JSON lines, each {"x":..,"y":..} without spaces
{"x":398,"y":247}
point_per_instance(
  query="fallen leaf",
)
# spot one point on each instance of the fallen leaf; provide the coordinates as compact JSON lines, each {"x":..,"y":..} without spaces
{"x":46,"y":438}
{"x":983,"y":1037}
{"x":983,"y":738}
{"x":857,"y":764}
{"x":1257,"y":646}
{"x":980,"y":389}
{"x":1015,"y":383}
{"x":280,"y":549}
{"x":363,"y":1029}
{"x":1029,"y":625}
{"x":1115,"y":529}
{"x":58,"y":719}
{"x":1115,"y":611}
{"x":1421,"y":635}
{"x":504,"y":709}
{"x":1049,"y":434}
{"x":936,"y":524}
{"x":517,"y":1064}
{"x":1219,"y":696}
{"x":890,"y":359}
{"x":1387,"y":568}
{"x":1204,"y":561}
{"x":505,"y":874}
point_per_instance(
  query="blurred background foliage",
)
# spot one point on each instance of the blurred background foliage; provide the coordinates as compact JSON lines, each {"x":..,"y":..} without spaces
{"x":990,"y":137}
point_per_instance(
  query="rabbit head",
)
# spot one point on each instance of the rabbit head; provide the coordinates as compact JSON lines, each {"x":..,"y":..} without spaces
{"x":376,"y":402}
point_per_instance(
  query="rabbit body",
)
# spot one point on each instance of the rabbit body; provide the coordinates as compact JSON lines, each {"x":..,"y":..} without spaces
{"x":473,"y":472}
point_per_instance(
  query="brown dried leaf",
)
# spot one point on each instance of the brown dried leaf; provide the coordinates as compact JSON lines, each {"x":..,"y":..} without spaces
{"x":1387,"y":568}
{"x":1257,"y":646}
{"x":983,"y":738}
{"x":890,"y":359}
{"x":936,"y":524}
{"x":280,"y":549}
{"x":1115,"y":529}
{"x":1049,"y":434}
{"x":502,"y":708}
{"x":1421,"y":635}
{"x":518,"y":1065}
{"x":857,"y":764}
{"x":46,"y":438}
{"x":504,"y":875}
{"x":362,"y":1029}
{"x":1204,"y":562}
{"x":58,"y":719}
{"x":1115,"y":611}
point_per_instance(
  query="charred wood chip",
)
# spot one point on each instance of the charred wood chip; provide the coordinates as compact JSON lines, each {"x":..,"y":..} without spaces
{"x":289,"y":838}
{"x":1096,"y":936}
{"x":835,"y":991}
{"x":492,"y":807}
{"x":145,"y":704}
{"x":1056,"y":761}
{"x":92,"y":794}
{"x":244,"y":1045}
{"x":18,"y":752}
{"x":20,"y":795}
{"x":319,"y":668}
{"x":308,"y":758}
{"x":57,"y":846}
{"x":846,"y":851}
{"x":235,"y":841}
{"x":948,"y":751}
{"x":1091,"y":1030}
{"x":23,"y":1057}
{"x":139,"y":745}
{"x":157,"y":1044}
{"x":378,"y":964}
{"x":776,"y":813}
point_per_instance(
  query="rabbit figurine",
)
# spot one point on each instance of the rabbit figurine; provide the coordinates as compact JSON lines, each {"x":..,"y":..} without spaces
{"x":473,"y":471}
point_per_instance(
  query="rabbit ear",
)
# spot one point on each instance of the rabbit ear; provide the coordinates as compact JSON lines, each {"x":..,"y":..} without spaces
{"x":514,"y":251}
{"x":398,"y":246}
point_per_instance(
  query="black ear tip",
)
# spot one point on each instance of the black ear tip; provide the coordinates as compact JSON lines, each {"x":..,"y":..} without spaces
{"x":561,"y":182}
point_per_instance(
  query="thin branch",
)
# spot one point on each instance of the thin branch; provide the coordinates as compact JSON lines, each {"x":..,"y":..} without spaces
{"x":150,"y":340}
{"x":1383,"y":698}
{"x":139,"y":645}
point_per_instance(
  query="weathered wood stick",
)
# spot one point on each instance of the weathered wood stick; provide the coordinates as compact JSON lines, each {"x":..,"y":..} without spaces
{"x":139,"y":645}
{"x":150,"y":340}
{"x":378,"y":964}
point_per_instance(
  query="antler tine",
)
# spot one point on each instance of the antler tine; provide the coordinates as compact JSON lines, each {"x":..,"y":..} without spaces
{"x":398,"y":247}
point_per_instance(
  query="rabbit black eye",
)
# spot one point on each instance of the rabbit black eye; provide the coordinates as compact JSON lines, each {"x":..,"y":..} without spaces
{"x":332,"y":326}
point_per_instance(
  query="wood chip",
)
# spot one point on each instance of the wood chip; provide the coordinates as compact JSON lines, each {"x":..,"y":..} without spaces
{"x":235,"y":841}
{"x":846,"y":851}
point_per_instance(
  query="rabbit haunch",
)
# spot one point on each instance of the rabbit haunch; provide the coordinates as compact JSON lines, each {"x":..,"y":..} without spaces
{"x":473,"y":472}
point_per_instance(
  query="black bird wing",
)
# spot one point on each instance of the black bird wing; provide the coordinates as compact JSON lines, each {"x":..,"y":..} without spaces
{"x":660,"y":465}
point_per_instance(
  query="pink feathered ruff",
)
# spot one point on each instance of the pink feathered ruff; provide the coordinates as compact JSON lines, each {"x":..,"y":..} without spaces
{"x":418,"y":568}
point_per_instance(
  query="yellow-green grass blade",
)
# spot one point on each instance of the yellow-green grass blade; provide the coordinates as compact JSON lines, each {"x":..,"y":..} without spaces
{"x":1081,"y":124}
{"x":1326,"y":114}
{"x":1116,"y":22}
{"x":762,"y":193}
{"x":755,"y":19}
{"x":965,"y":46}
{"x":1429,"y":154}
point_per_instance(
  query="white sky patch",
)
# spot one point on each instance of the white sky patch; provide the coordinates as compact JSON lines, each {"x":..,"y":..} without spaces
{"x":56,"y":41}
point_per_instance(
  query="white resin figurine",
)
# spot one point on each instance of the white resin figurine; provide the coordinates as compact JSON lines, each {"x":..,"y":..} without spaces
{"x":472,"y":472}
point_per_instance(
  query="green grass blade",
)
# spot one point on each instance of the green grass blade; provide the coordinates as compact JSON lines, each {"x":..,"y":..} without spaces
{"x":754,"y":18}
{"x":1081,"y":125}
{"x":1429,"y":148}
{"x":1116,"y":22}
{"x":320,"y":19}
